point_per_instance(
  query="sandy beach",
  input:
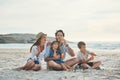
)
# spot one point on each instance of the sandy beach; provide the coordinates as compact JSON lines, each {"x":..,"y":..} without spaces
{"x":12,"y":58}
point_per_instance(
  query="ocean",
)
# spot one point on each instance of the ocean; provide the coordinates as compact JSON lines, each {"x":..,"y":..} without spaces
{"x":106,"y":46}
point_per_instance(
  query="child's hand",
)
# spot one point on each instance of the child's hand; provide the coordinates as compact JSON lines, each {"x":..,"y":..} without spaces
{"x":54,"y":50}
{"x":93,"y":54}
{"x":62,"y":55}
{"x":57,"y":57}
{"x":92,"y":57}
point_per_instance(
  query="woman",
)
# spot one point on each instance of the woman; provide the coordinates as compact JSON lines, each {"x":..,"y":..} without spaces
{"x":37,"y":50}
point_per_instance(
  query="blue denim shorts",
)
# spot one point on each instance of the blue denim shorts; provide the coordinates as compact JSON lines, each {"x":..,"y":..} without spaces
{"x":35,"y":61}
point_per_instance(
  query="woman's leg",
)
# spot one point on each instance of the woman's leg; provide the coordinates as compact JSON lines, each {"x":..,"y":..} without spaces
{"x":36,"y":67}
{"x":27,"y":66}
{"x":96,"y":64}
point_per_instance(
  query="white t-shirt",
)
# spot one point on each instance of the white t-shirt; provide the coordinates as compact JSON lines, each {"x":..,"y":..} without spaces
{"x":82,"y":56}
{"x":34,"y":51}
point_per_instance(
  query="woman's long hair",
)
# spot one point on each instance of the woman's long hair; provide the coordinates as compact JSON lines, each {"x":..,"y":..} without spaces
{"x":36,"y":43}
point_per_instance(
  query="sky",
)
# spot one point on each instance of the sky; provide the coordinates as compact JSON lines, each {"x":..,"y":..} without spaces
{"x":81,"y":20}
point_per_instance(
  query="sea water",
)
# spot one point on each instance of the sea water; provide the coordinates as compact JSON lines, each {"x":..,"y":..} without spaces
{"x":115,"y":46}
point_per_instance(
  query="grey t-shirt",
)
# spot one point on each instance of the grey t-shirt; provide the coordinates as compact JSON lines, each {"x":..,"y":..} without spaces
{"x":82,"y":56}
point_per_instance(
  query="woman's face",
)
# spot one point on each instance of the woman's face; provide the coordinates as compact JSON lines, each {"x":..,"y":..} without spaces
{"x":59,"y":36}
{"x":55,"y":45}
{"x":43,"y":39}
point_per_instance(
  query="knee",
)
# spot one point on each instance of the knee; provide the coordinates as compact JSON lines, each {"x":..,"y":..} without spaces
{"x":99,"y":62}
{"x":37,"y":68}
{"x":76,"y":60}
{"x":83,"y":64}
{"x":50,"y":63}
{"x":29,"y":64}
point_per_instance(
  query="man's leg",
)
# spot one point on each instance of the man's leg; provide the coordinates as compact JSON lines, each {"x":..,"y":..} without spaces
{"x":53,"y":65}
{"x":71,"y":62}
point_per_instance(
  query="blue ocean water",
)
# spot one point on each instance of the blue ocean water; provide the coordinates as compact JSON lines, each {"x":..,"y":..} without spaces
{"x":90,"y":45}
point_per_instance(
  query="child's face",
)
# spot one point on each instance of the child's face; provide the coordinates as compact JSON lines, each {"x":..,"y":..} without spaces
{"x":83,"y":48}
{"x":55,"y":45}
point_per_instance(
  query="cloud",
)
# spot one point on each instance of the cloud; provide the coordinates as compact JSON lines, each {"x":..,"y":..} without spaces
{"x":89,"y":19}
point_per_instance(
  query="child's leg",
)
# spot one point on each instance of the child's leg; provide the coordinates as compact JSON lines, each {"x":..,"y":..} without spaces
{"x":84,"y":65}
{"x":64,"y":66}
{"x":96,"y":64}
{"x":68,"y":67}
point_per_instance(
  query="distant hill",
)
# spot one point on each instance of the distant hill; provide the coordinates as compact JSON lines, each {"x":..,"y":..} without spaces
{"x":20,"y":38}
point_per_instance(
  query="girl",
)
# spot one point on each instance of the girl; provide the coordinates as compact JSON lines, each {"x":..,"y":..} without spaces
{"x":57,"y":56}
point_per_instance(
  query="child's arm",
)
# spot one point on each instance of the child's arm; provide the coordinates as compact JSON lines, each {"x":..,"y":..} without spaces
{"x":52,"y":58}
{"x":86,"y":61}
{"x":93,"y":54}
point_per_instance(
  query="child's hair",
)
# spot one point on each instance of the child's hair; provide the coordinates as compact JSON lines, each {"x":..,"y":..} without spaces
{"x":54,"y":43}
{"x":80,"y":44}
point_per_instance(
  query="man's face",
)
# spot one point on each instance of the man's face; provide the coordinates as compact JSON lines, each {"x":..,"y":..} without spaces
{"x":59,"y":36}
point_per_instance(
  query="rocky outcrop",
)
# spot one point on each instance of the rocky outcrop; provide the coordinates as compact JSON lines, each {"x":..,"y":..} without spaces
{"x":20,"y":38}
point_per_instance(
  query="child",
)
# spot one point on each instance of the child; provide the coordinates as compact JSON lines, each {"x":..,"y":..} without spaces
{"x":83,"y":57}
{"x":57,"y":56}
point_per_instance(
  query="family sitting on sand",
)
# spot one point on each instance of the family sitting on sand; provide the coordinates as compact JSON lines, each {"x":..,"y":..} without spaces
{"x":54,"y":54}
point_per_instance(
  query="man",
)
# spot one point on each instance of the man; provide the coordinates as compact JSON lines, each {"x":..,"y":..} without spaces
{"x":65,"y":48}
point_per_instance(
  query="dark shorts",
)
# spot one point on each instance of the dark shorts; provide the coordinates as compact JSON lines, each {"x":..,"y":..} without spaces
{"x":89,"y":63}
{"x":36,"y":62}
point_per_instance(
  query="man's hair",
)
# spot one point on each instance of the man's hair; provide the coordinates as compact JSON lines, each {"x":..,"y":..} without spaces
{"x":60,"y":31}
{"x":80,"y":44}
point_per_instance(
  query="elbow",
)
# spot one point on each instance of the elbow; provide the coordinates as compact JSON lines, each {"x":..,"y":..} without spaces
{"x":72,"y":54}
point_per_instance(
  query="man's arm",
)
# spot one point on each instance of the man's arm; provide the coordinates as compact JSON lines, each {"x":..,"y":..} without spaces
{"x":70,"y":50}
